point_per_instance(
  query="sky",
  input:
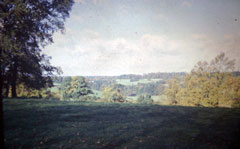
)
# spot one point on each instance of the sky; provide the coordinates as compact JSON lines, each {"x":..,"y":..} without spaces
{"x":114,"y":37}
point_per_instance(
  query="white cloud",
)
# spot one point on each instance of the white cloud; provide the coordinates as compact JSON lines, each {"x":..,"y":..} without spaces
{"x":77,"y":18}
{"x":186,"y":4}
{"x":84,"y":51}
{"x":209,"y":47}
{"x":123,"y":10}
{"x":91,"y":34}
{"x":90,"y":54}
{"x":79,"y":1}
{"x":95,"y":2}
{"x":161,"y":17}
{"x":98,"y":1}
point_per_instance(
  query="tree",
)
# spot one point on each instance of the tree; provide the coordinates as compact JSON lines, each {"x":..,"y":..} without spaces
{"x":75,"y":87}
{"x":209,"y":85}
{"x":173,"y":89}
{"x":145,"y":99}
{"x":79,"y":87}
{"x":39,"y":20}
{"x":113,"y":95}
{"x":65,"y":87}
{"x":26,"y":27}
{"x":140,"y":98}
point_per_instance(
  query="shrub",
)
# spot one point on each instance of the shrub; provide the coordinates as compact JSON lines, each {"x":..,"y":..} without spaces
{"x":113,"y":95}
{"x":236,"y":103}
{"x":145,"y":99}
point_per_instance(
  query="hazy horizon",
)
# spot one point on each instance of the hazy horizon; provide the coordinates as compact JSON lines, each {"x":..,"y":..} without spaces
{"x":117,"y":75}
{"x":111,"y":38}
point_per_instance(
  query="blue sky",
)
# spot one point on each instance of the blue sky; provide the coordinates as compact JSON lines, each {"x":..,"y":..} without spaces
{"x":113,"y":37}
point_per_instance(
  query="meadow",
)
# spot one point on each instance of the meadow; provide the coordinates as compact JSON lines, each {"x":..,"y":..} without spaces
{"x":34,"y":123}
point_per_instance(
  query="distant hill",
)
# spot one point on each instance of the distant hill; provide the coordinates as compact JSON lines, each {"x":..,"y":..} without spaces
{"x":132,"y":77}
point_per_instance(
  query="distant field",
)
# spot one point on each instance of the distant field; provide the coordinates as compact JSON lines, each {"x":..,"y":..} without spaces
{"x":96,"y":93}
{"x":56,"y":84}
{"x":127,"y":82}
{"x":55,"y":87}
{"x":62,"y":124}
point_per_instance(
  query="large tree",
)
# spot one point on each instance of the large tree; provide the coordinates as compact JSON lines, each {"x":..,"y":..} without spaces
{"x":209,"y":84}
{"x":113,"y":95}
{"x":74,"y":88}
{"x":27,"y":26}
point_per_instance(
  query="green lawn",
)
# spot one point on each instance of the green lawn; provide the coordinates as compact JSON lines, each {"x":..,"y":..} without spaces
{"x":60,"y":124}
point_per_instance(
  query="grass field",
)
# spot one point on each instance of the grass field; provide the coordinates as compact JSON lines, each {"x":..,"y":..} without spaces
{"x":61,"y":124}
{"x":96,"y":93}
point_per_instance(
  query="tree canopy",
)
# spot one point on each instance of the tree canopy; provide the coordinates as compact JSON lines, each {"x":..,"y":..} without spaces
{"x":25,"y":28}
{"x":209,"y":84}
{"x":145,"y":99}
{"x":74,"y":87}
{"x":113,"y":95}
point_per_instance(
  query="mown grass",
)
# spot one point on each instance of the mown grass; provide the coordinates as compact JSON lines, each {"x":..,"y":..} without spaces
{"x":61,"y":124}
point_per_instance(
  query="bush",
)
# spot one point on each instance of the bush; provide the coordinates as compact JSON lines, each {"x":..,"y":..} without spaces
{"x":236,"y":103}
{"x":145,"y":99}
{"x":113,"y":95}
{"x":47,"y":94}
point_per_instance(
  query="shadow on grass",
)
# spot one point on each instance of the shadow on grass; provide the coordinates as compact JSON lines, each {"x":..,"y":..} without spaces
{"x":56,"y":124}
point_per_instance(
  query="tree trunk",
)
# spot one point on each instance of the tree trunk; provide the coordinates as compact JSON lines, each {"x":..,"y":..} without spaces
{"x":1,"y":105}
{"x":1,"y":112}
{"x":7,"y":90}
{"x":14,"y":80}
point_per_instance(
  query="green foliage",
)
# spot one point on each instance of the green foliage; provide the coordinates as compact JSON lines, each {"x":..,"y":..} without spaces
{"x":145,"y":99}
{"x":24,"y":91}
{"x":97,"y":93}
{"x":26,"y":27}
{"x":75,"y":88}
{"x":46,"y":93}
{"x":93,"y":98}
{"x":65,"y":86}
{"x":209,"y":85}
{"x":140,"y":98}
{"x":236,"y":103}
{"x":113,"y":95}
{"x":172,"y":90}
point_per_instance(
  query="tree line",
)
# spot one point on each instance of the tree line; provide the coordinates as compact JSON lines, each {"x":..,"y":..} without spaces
{"x":211,"y":84}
